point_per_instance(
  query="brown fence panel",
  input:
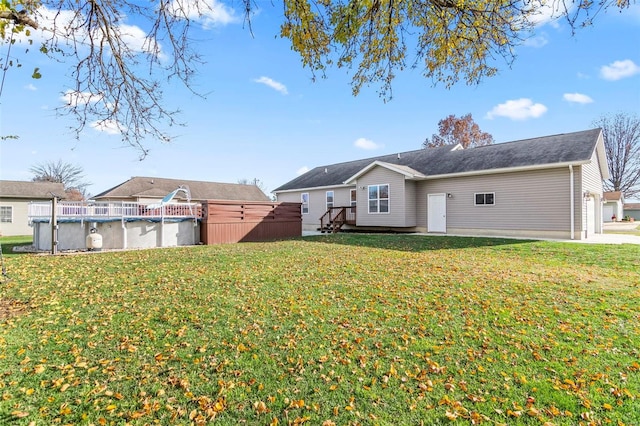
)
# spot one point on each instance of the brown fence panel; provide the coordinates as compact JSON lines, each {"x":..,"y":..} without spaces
{"x":240,"y":221}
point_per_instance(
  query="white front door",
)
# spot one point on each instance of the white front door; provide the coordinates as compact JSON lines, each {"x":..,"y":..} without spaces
{"x":437,"y":213}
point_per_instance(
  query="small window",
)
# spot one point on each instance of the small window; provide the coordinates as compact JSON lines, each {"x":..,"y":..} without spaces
{"x":329,"y":199}
{"x":6,"y":214}
{"x":485,"y":199}
{"x":378,"y":198}
{"x":304,"y":199}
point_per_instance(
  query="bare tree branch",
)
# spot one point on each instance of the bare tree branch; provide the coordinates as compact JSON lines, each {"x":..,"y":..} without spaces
{"x":18,"y":18}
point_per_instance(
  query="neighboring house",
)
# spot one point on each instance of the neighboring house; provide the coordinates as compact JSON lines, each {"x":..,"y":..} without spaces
{"x":632,"y":210}
{"x":612,"y":209}
{"x":547,"y":187}
{"x":15,"y":197}
{"x":153,"y":190}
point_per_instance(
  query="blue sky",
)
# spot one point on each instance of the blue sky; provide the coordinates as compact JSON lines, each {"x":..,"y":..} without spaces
{"x":264,"y":117}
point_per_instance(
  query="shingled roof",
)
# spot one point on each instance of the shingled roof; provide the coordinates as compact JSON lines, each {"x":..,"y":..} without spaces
{"x":30,"y":190}
{"x":568,"y":148}
{"x":153,"y":187}
{"x":613,"y":196}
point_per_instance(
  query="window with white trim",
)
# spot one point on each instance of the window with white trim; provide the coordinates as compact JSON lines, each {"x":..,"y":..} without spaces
{"x":379,"y":198}
{"x":329,"y":199}
{"x":485,"y":198}
{"x":6,"y":214}
{"x":304,"y":199}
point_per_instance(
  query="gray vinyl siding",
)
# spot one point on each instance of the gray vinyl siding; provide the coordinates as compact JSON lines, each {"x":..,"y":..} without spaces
{"x":410,"y":203}
{"x":397,"y":199}
{"x":530,"y":200}
{"x":318,"y":203}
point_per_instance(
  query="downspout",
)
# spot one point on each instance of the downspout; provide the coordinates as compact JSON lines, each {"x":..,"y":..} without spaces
{"x":572,"y":196}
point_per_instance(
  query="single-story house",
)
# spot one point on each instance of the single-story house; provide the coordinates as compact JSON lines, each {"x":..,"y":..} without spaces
{"x":146,"y":190}
{"x":632,"y":210}
{"x":15,"y":197}
{"x":545,"y":187}
{"x":612,"y":207}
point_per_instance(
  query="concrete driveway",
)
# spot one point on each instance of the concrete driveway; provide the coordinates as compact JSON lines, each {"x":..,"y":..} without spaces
{"x":611,"y":236}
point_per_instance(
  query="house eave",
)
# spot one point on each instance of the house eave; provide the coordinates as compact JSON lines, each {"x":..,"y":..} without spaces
{"x":312,"y":188}
{"x":507,"y":170}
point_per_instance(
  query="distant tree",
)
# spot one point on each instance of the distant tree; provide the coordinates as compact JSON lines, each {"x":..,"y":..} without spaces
{"x":255,"y":181}
{"x":621,"y":133}
{"x":73,"y":195}
{"x":463,"y":130}
{"x":69,"y":175}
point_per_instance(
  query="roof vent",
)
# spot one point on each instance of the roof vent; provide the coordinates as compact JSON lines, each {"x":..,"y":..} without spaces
{"x":325,"y":170}
{"x":398,"y":156}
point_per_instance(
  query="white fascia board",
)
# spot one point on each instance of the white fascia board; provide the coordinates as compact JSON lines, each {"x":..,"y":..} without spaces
{"x":313,"y":188}
{"x":388,"y":166}
{"x":508,"y":170}
{"x":602,"y":157}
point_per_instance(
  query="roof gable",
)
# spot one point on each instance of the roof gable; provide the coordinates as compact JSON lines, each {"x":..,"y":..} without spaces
{"x":407,"y":171}
{"x":31,"y":190}
{"x":152,"y":187}
{"x":549,"y":151}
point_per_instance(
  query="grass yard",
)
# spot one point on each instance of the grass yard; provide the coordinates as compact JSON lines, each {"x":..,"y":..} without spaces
{"x":340,"y":329}
{"x":8,"y":243}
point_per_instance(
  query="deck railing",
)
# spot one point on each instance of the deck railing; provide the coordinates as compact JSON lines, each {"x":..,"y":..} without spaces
{"x":335,"y":217}
{"x":112,"y":210}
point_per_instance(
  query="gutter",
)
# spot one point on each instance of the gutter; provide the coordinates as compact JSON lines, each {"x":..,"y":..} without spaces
{"x":507,"y":170}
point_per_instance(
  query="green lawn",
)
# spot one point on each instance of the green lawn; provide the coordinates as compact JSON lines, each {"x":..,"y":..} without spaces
{"x":340,"y":329}
{"x":8,"y":243}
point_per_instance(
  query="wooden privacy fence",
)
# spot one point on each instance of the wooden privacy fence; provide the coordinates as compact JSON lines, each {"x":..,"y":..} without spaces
{"x":240,"y":221}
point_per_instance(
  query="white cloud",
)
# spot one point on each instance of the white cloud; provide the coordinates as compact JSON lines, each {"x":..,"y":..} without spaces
{"x":136,"y":39}
{"x":619,"y":70}
{"x":275,"y":85}
{"x":367,"y":144}
{"x":519,"y":109}
{"x":546,"y":12}
{"x":31,"y":87}
{"x":537,"y":41}
{"x":109,"y":127}
{"x":302,"y":170}
{"x":578,"y":98}
{"x":73,"y":98}
{"x":209,"y":13}
{"x":69,"y":29}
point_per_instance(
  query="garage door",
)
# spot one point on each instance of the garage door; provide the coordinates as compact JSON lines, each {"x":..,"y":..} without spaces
{"x":608,"y":211}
